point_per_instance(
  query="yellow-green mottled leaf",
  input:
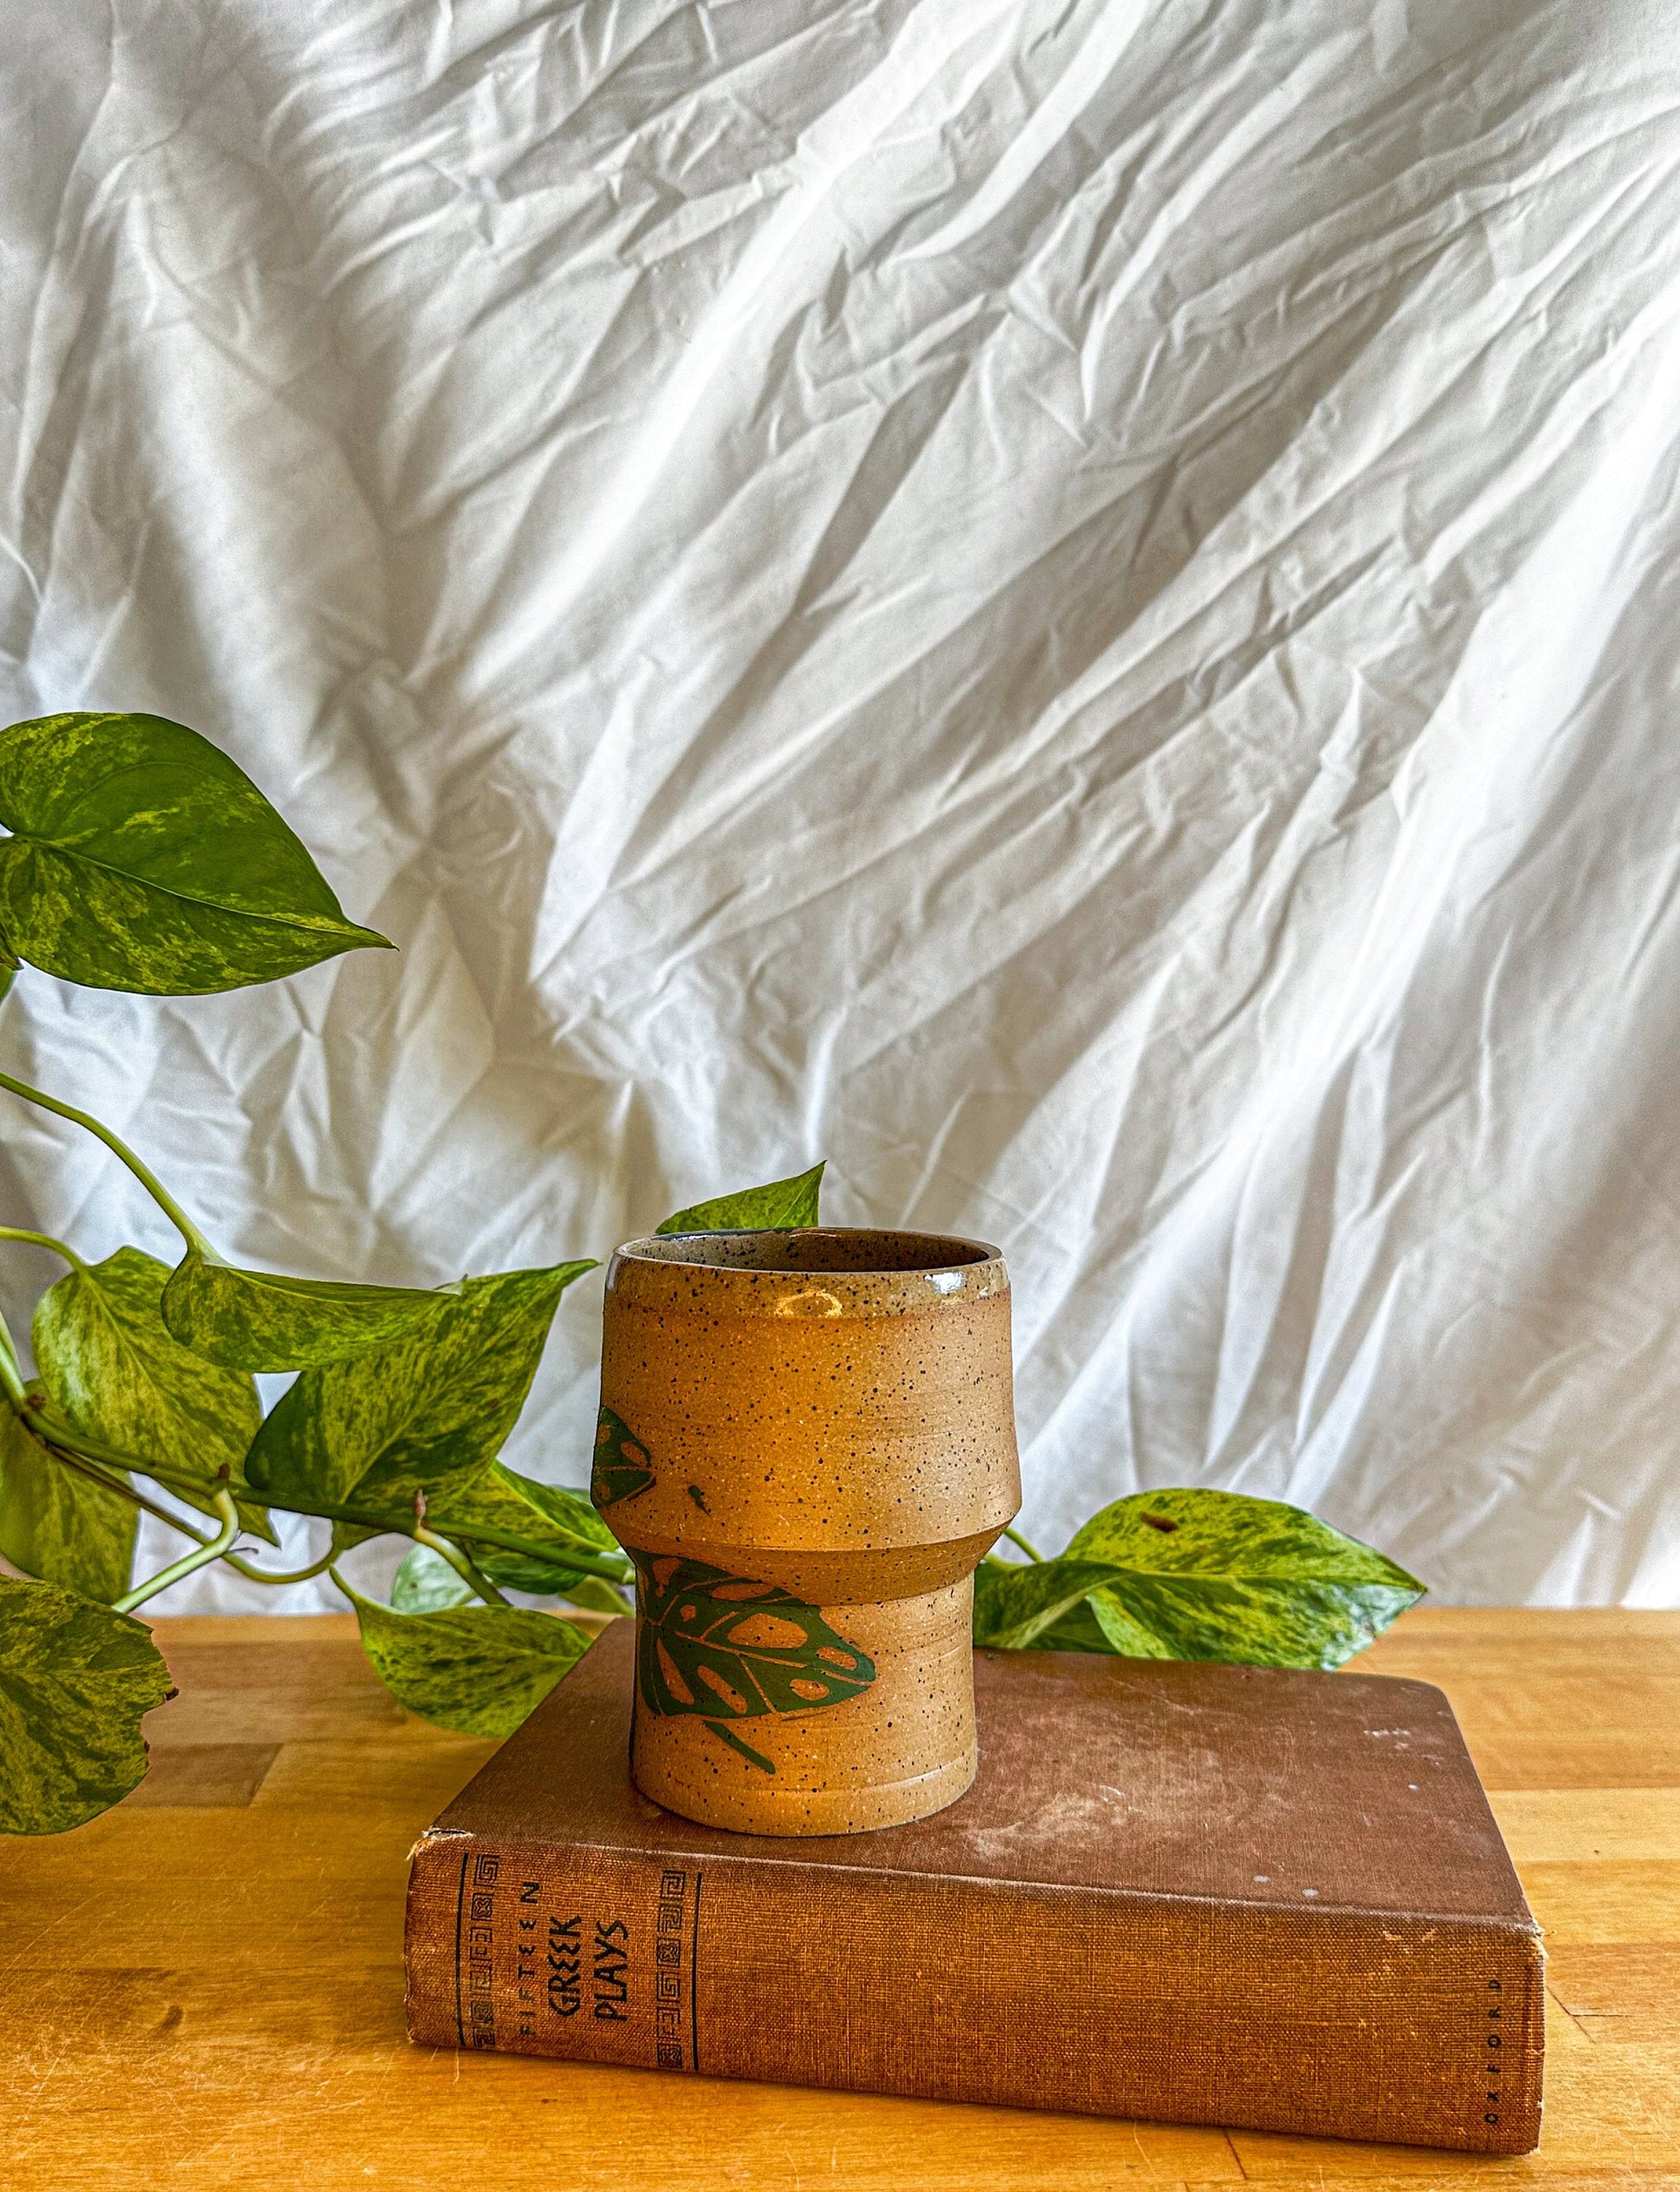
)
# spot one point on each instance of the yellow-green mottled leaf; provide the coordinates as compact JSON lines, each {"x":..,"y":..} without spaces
{"x":593,"y":1594}
{"x":560,"y":1522}
{"x":118,"y":1374}
{"x":1191,"y":1574}
{"x":425,"y":1412}
{"x":75,"y":1681}
{"x":58,"y":1525}
{"x":1223,"y":1575}
{"x":777,"y":1205}
{"x":261,"y":1320}
{"x":425,"y":1583}
{"x":142,"y":859}
{"x":480,"y":1669}
{"x":1045,"y":1606}
{"x":1075,"y":1630}
{"x":426,"y":1580}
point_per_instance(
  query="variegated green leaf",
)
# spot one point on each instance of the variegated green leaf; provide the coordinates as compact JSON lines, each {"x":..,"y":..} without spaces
{"x":142,"y":859}
{"x":1193,"y":1574}
{"x":1223,"y":1575}
{"x":75,"y":1682}
{"x":481,"y":1669}
{"x":779,"y":1204}
{"x":593,"y":1594}
{"x":262,"y":1320}
{"x":425,"y":1412}
{"x":561,"y":1522}
{"x":1074,"y":1630}
{"x":1045,"y":1606}
{"x":426,"y":1583}
{"x":56,"y":1523}
{"x":118,"y":1374}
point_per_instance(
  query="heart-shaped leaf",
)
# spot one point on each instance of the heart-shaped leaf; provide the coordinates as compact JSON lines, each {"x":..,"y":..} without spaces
{"x":480,"y":1669}
{"x":261,"y":1320}
{"x":426,"y":1583}
{"x":995,"y":1612}
{"x":142,"y":859}
{"x":58,"y":1525}
{"x":425,"y":1412}
{"x":594,"y":1594}
{"x":118,"y":1374}
{"x":777,"y":1205}
{"x":1223,"y":1575}
{"x":1045,"y":1608}
{"x":547,"y":1515}
{"x":730,"y":1649}
{"x":1192,"y":1574}
{"x":75,"y":1681}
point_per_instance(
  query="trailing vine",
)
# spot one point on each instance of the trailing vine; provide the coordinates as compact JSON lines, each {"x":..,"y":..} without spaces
{"x":140,"y":858}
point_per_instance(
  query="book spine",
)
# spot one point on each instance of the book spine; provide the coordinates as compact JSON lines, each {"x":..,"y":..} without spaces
{"x":1423,"y":2031}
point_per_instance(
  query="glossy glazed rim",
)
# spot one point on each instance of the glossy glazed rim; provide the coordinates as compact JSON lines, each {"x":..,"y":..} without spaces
{"x":943,"y":1267}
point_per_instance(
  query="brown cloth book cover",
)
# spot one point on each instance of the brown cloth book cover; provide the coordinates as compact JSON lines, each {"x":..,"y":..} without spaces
{"x":1242,"y":1896}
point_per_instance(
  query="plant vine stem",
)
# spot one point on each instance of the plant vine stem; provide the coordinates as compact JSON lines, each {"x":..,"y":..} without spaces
{"x":149,"y":1179}
{"x":200,"y":1557}
{"x":459,"y":1561}
{"x":588,"y":1559}
{"x":295,"y":1575}
{"x":44,"y":1240}
{"x":1016,"y":1539}
{"x":11,"y":1370}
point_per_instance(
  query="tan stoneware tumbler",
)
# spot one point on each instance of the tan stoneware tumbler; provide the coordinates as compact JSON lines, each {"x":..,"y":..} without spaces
{"x":807,"y":1445}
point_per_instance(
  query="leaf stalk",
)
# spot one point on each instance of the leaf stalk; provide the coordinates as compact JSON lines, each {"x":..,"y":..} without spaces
{"x":148,"y":1179}
{"x":11,"y":1370}
{"x":45,"y":1241}
{"x":464,"y":1566}
{"x":200,"y":1557}
{"x":292,"y":1575}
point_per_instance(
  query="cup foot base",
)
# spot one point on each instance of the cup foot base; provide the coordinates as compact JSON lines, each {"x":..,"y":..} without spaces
{"x":769,"y":1811}
{"x":892,"y":1747}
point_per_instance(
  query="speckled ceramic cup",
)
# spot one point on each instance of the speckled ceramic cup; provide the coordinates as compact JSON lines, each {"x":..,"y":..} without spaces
{"x":806,"y":1444}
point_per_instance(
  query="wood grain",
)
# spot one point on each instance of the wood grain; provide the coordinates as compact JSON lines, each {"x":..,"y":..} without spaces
{"x":204,"y":1989}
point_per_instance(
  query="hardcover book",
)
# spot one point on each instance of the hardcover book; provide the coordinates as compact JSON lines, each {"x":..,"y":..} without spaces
{"x":1243,"y":1896}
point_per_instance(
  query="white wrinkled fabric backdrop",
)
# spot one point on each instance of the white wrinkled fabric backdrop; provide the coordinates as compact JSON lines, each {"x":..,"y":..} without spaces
{"x":1071,"y":603}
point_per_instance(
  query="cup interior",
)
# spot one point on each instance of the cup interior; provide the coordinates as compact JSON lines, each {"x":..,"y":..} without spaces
{"x":814,"y":1248}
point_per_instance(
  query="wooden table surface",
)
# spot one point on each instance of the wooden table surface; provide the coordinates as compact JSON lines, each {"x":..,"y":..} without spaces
{"x":204,"y":1988}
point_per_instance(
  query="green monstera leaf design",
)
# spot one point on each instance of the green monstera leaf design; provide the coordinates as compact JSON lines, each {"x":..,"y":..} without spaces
{"x":619,"y":1470}
{"x":729,"y":1649}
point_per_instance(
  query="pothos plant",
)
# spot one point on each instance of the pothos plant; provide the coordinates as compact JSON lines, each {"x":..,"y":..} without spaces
{"x":141,"y":858}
